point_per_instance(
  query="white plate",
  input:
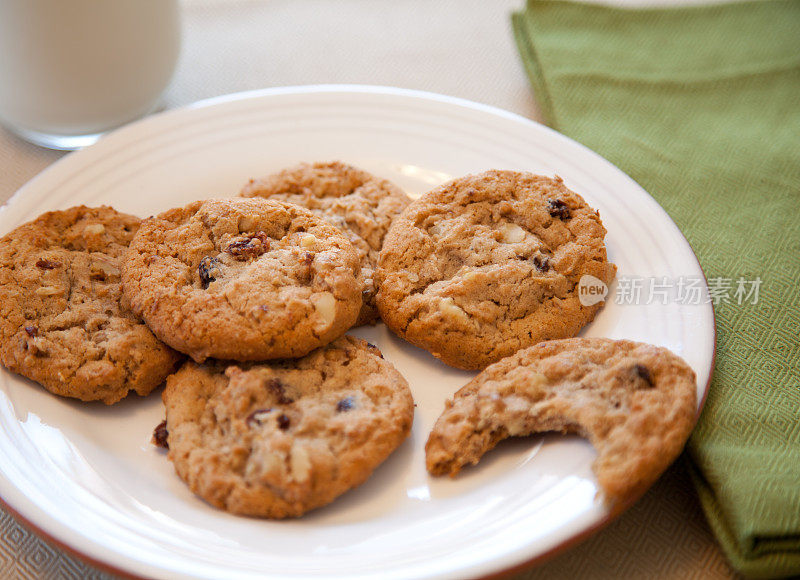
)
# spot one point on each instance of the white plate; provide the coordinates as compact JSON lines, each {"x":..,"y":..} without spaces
{"x":87,"y":475}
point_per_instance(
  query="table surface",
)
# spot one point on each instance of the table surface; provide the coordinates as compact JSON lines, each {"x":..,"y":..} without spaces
{"x":462,"y":48}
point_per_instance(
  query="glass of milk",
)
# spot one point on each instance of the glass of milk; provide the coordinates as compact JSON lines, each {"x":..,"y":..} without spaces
{"x":71,"y":70}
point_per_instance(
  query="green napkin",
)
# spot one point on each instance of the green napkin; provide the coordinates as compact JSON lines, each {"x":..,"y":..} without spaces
{"x":701,"y":106}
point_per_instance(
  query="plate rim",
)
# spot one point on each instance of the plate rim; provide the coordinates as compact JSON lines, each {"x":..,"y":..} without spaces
{"x":157,"y":118}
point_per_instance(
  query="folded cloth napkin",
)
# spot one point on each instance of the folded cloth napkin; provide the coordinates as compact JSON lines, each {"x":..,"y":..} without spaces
{"x":701,"y":106}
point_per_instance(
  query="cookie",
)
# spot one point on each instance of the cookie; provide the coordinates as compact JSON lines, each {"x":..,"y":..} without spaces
{"x":358,"y":203}
{"x":242,"y":279}
{"x":488,"y":264}
{"x":635,"y":403}
{"x":279,"y":439}
{"x":64,"y":321}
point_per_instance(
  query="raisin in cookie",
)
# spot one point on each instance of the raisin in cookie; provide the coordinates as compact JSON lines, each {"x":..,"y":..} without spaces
{"x":358,"y":203}
{"x":242,"y":279}
{"x":635,"y":403}
{"x":279,"y":439}
{"x":64,"y":321}
{"x":488,"y":264}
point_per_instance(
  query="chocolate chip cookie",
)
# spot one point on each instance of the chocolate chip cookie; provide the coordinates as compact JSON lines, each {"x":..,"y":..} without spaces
{"x":242,"y":279}
{"x":635,"y":403}
{"x":488,"y":264}
{"x":65,"y":323}
{"x":358,"y":203}
{"x":279,"y":439}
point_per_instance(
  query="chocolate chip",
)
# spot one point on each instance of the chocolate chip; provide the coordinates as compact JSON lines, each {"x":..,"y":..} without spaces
{"x":279,"y":390}
{"x":346,"y":404}
{"x":257,"y":417}
{"x":209,"y":270}
{"x":32,"y":331}
{"x":249,"y":247}
{"x":558,"y":209}
{"x":46,"y":264}
{"x":283,"y":422}
{"x":160,"y":434}
{"x":643,"y":373}
{"x":542,"y":263}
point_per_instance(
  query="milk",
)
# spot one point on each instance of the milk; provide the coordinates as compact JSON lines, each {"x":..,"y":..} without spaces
{"x":82,"y":67}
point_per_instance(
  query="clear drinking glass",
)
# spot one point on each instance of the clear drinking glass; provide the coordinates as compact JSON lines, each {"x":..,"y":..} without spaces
{"x":70,"y":70}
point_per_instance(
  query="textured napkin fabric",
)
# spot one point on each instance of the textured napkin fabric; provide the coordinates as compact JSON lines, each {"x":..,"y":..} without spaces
{"x":701,"y":106}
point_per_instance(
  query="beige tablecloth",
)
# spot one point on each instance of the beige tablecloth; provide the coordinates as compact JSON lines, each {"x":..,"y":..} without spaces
{"x":456,"y":47}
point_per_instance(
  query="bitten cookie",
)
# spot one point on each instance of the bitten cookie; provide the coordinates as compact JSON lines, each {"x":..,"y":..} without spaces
{"x":358,"y":203}
{"x":279,"y":439}
{"x":242,"y":279}
{"x":634,"y":402}
{"x":64,"y":321}
{"x":488,"y":264}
